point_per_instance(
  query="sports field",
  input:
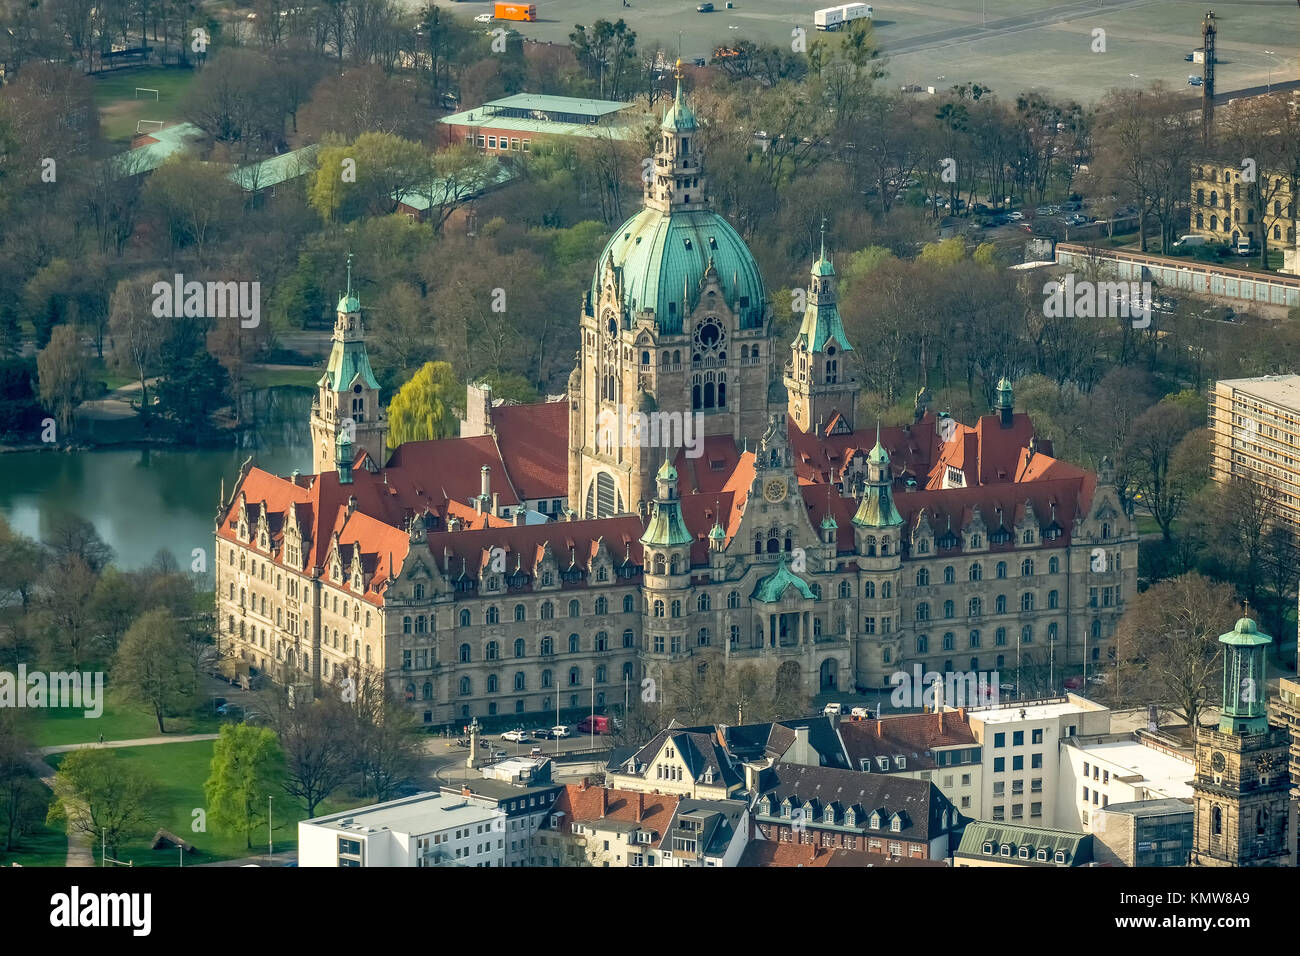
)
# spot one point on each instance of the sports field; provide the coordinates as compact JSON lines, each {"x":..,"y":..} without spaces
{"x":1009,"y":45}
{"x":120,"y":107}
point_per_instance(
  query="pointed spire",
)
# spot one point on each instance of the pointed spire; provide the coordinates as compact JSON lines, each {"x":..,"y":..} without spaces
{"x":823,"y":252}
{"x":349,"y":274}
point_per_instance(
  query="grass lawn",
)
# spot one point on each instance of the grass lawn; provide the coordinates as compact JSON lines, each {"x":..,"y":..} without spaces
{"x":119,"y":721}
{"x":181,"y":770}
{"x":112,"y":380}
{"x":304,"y":377}
{"x":119,"y":109}
{"x":47,"y":846}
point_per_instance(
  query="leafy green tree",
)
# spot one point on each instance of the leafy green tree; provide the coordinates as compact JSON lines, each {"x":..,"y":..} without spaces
{"x":422,"y":408}
{"x":247,"y":768}
{"x":99,"y":794}
{"x":153,"y":665}
{"x":22,"y":798}
{"x":379,"y":169}
{"x":193,"y":384}
{"x":64,"y":372}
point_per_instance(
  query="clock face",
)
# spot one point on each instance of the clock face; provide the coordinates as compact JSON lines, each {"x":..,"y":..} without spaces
{"x":1217,"y":762}
{"x":1265,"y":763}
{"x":774,"y":490}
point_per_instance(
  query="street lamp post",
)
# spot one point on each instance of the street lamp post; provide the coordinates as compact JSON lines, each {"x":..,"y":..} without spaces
{"x":270,"y":842}
{"x":1270,"y":54}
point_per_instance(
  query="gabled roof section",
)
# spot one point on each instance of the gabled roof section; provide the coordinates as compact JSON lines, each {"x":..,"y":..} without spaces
{"x":770,"y":589}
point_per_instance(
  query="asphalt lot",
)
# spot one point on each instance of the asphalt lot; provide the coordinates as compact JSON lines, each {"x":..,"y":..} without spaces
{"x":1009,"y":45}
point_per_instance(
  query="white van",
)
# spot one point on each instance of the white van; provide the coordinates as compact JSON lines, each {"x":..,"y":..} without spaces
{"x":1187,"y":241}
{"x":1244,"y":245}
{"x":832,"y":710}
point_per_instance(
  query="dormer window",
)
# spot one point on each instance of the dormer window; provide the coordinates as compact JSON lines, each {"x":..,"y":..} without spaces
{"x":987,"y":849}
{"x":1060,"y":857}
{"x":874,"y":821}
{"x":1005,"y":850}
{"x":1024,"y":853}
{"x":883,"y":763}
{"x":1042,"y":855}
{"x":900,"y":763}
{"x":896,"y":824}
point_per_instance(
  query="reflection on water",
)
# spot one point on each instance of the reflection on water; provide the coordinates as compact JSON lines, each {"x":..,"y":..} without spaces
{"x":143,"y":500}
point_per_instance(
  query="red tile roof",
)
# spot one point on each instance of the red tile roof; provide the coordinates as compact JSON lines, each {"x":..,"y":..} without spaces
{"x":590,"y":804}
{"x":909,"y":735}
{"x":533,"y":441}
{"x":773,"y":853}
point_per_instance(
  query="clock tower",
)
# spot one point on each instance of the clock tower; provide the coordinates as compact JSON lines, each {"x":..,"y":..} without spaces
{"x":1241,"y":786}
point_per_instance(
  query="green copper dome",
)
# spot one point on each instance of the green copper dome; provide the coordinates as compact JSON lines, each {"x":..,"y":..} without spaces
{"x":829,"y":523}
{"x":769,"y":589}
{"x":717,"y":534}
{"x":349,"y":304}
{"x":663,"y":258}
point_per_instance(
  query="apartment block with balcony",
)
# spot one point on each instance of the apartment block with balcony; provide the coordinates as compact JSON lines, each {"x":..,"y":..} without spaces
{"x":1255,"y":431}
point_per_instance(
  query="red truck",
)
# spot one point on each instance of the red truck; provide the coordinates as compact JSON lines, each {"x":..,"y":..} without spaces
{"x":596,"y":725}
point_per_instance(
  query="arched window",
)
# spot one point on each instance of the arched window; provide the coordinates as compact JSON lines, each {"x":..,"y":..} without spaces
{"x":1001,"y":571}
{"x":922,"y":644}
{"x":659,"y":608}
{"x":869,"y":589}
{"x":547,"y":647}
{"x":1216,"y":821}
{"x":628,"y":604}
{"x":575,"y":676}
{"x":1000,"y":637}
{"x":923,"y":611}
{"x":1027,"y":601}
{"x":1053,"y":599}
{"x":702,"y":603}
{"x":427,"y":691}
{"x":922,"y":577}
{"x":575,"y":609}
{"x":519,"y":647}
{"x":976,"y":571}
{"x":574,"y":643}
{"x":465,"y":686}
{"x":493,"y":651}
{"x":949,"y":640}
{"x":702,"y":638}
{"x":1027,"y":634}
{"x":949,"y":575}
{"x":1027,"y":568}
{"x":1053,"y":565}
{"x":548,"y":610}
{"x":546,"y":678}
{"x":733,"y":600}
{"x":949,"y":609}
{"x":846,"y":589}
{"x":521,"y":682}
{"x":493,"y":683}
{"x":520,"y":613}
{"x":602,"y":605}
{"x":464,"y":618}
{"x":464,"y":654}
{"x":976,"y":606}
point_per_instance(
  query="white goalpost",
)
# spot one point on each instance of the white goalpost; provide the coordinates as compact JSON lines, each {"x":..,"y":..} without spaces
{"x":144,"y":89}
{"x":148,"y":126}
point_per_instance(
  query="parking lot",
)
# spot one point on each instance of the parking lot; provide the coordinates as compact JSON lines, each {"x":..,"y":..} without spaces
{"x":1008,"y":45}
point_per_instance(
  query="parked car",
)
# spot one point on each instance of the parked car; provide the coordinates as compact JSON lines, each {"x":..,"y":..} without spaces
{"x":1077,"y":219}
{"x":483,"y":18}
{"x":542,"y":733}
{"x":560,"y":731}
{"x":704,"y":8}
{"x":1195,"y":81}
{"x":832,"y":710}
{"x":518,"y":736}
{"x":1016,"y":215}
{"x":595,"y":725}
{"x":229,"y":710}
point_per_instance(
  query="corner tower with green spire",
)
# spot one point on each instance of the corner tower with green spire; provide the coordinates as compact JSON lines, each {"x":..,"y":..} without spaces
{"x":1240,"y":792}
{"x":347,"y":396}
{"x":821,"y":377}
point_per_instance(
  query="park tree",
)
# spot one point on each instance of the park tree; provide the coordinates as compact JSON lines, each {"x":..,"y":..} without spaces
{"x":136,"y":330}
{"x":192,"y":204}
{"x":23,"y":801}
{"x":383,"y":733}
{"x":247,"y":769}
{"x":102,"y":796}
{"x":65,"y":617}
{"x":70,"y":536}
{"x":360,"y":100}
{"x":153,"y":666}
{"x":64,"y":375}
{"x":422,"y":409}
{"x":1167,"y":644}
{"x":318,"y":749}
{"x":1163,"y":477}
{"x":1265,"y":131}
{"x":368,"y":176}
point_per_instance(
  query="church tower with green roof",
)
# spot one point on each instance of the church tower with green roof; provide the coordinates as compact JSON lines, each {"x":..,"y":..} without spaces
{"x":347,"y":395}
{"x":822,"y":375}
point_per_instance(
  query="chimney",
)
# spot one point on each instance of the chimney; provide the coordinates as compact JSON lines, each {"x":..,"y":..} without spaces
{"x":961,"y":713}
{"x":453,"y":523}
{"x":640,"y":806}
{"x":520,"y":515}
{"x":604,"y":801}
{"x":880,"y":728}
{"x":485,"y":482}
{"x":496,"y":502}
{"x":583,"y":785}
{"x":940,"y":720}
{"x":465,"y":791}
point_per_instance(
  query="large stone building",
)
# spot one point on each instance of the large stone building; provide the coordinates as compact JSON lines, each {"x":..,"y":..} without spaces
{"x":784,"y":536}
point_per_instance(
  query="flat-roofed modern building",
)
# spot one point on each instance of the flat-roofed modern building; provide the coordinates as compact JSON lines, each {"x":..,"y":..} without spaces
{"x":1100,"y":770}
{"x":428,"y":829}
{"x":1020,"y":754}
{"x":1255,"y":428}
{"x":1144,"y":833}
{"x":512,"y":123}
